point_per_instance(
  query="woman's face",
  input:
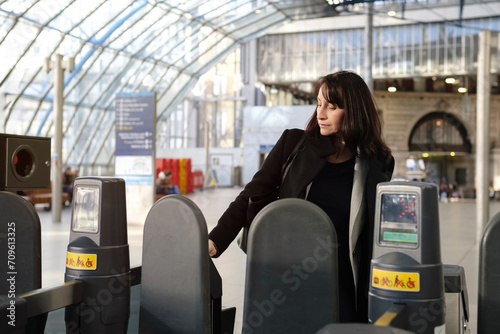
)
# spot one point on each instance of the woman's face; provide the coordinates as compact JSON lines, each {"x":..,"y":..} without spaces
{"x":329,"y":116}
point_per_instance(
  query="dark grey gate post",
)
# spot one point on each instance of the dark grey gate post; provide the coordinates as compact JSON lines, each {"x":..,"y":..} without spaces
{"x":175,"y":287}
{"x":291,"y":279}
{"x":21,"y":249}
{"x":489,"y":282}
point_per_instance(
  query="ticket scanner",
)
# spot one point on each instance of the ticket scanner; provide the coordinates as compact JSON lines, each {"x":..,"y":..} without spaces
{"x":407,"y":285}
{"x":98,"y":254}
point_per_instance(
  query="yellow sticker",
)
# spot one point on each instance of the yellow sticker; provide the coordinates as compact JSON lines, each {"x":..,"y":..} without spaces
{"x":396,"y":280}
{"x":81,"y":261}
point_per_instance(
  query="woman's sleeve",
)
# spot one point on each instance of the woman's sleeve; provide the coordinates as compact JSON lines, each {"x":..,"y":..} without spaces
{"x":266,"y":179}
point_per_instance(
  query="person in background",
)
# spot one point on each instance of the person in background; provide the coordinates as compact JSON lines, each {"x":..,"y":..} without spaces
{"x":164,"y":185}
{"x":337,"y":168}
{"x":67,"y":181}
{"x":443,"y":192}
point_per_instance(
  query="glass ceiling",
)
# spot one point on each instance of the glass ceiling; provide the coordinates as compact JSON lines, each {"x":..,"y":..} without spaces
{"x":124,"y":46}
{"x":119,"y":46}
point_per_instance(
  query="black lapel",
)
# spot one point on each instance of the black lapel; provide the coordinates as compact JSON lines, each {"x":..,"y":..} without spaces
{"x":305,"y":167}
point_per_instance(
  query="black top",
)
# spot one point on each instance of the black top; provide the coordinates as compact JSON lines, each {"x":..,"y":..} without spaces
{"x":331,"y":190}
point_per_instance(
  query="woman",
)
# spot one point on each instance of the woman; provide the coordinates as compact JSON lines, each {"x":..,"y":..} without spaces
{"x":338,"y":168}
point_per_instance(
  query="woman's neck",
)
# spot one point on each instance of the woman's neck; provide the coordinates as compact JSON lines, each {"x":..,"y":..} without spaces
{"x":342,"y":156}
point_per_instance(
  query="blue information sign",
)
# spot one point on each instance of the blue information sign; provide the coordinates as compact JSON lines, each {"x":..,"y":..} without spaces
{"x":135,"y":118}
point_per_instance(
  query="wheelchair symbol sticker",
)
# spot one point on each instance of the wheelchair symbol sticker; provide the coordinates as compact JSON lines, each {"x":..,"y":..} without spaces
{"x":81,"y":261}
{"x":395,"y":280}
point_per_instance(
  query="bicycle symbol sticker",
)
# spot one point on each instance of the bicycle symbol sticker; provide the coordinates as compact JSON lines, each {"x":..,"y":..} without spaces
{"x":81,"y":261}
{"x":395,"y":280}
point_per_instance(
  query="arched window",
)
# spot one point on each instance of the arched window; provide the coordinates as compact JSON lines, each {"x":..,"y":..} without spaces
{"x":439,"y":132}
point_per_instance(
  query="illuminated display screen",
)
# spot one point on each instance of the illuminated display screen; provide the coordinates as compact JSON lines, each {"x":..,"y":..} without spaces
{"x":86,"y":209}
{"x":400,"y":237}
{"x":399,"y":220}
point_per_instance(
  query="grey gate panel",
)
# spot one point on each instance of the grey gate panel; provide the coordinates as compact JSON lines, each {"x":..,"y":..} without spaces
{"x":21,"y":249}
{"x":291,"y":278}
{"x":175,"y":287}
{"x":489,"y":282}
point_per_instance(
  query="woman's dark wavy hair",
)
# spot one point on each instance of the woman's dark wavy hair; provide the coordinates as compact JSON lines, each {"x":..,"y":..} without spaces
{"x":361,"y":125}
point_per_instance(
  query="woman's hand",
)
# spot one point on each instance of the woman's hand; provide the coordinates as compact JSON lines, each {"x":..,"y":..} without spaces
{"x":212,"y":250}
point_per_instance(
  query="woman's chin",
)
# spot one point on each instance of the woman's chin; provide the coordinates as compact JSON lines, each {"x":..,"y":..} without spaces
{"x":326,"y":132}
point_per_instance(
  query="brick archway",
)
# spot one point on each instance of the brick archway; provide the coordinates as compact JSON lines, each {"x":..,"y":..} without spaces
{"x":439,"y":132}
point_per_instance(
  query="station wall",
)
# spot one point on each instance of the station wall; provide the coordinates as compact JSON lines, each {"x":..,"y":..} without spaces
{"x":400,"y":112}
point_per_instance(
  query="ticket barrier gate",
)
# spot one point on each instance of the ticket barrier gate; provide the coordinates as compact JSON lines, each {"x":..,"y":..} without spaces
{"x":407,"y":282}
{"x":457,"y":312}
{"x":489,"y":282}
{"x":190,"y":300}
{"x":99,"y":304}
{"x":20,"y":246}
{"x":98,"y":255}
{"x":291,"y":277}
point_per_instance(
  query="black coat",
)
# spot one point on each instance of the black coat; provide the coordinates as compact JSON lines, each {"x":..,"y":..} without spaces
{"x":309,"y":161}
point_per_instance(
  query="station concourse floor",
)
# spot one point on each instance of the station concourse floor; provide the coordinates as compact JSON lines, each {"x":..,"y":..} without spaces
{"x":458,"y":247}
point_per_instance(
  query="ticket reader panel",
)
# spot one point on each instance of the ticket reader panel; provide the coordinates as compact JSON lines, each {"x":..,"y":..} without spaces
{"x":407,"y":221}
{"x":86,"y":213}
{"x":98,"y":254}
{"x":399,"y":221}
{"x":406,"y":267}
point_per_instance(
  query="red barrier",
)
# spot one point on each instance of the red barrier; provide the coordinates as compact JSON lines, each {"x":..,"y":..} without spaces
{"x":182,"y":175}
